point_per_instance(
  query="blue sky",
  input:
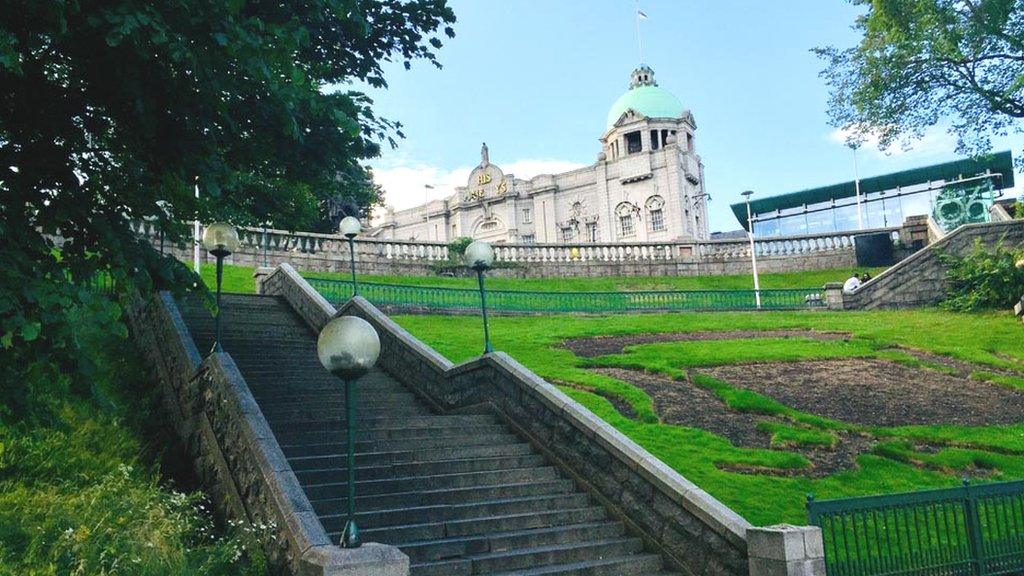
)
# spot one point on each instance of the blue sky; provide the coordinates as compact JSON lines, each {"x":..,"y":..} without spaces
{"x":535,"y":79}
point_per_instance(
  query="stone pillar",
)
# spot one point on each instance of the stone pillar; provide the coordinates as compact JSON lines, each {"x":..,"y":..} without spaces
{"x":1018,"y":309}
{"x":785,"y":550}
{"x":260,"y":274}
{"x":834,"y":296}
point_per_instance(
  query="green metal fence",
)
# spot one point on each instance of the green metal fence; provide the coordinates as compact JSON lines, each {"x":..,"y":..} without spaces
{"x":969,"y":530}
{"x":437,"y":298}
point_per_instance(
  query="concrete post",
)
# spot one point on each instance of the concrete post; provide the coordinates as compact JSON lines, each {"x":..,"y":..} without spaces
{"x":785,"y":550}
{"x":368,"y":560}
{"x":1018,"y":309}
{"x":261,"y":274}
{"x":834,"y":295}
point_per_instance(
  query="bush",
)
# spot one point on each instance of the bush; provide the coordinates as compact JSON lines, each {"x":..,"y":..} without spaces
{"x":1017,"y":210}
{"x":458,"y":247}
{"x":80,"y":488}
{"x":984,"y":278}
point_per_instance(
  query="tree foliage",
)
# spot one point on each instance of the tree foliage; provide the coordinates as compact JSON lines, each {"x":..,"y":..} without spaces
{"x":922,"y":63}
{"x":112,"y":111}
{"x":985,"y":278}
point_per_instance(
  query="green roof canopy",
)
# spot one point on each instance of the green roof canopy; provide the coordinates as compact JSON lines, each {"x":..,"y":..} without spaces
{"x":999,"y":164}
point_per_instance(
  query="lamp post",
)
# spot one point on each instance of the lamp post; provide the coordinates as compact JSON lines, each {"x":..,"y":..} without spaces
{"x":350,"y":228}
{"x":219,"y":239}
{"x":348,"y":347}
{"x":480,"y":256}
{"x":753,"y":254}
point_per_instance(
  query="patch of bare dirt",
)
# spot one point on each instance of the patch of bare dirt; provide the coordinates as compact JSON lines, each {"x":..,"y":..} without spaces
{"x":877,"y":392}
{"x":962,"y":368}
{"x":604,"y":345}
{"x":686,"y":404}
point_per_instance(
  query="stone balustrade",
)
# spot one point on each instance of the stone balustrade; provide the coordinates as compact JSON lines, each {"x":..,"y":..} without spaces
{"x":330,"y":253}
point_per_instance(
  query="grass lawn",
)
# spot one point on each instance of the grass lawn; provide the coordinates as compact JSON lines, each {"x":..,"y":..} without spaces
{"x":902,"y":458}
{"x":239,"y":279}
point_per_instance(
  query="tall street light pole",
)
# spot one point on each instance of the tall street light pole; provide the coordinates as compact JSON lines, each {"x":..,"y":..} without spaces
{"x":348,"y":347}
{"x":753,"y":253}
{"x":219,"y":239}
{"x":350,"y":228}
{"x":480,"y":257}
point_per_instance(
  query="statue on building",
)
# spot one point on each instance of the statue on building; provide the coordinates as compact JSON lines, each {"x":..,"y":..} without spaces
{"x":485,"y":155}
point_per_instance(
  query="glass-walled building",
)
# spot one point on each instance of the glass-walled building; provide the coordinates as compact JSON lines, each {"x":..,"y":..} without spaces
{"x":953,"y":193}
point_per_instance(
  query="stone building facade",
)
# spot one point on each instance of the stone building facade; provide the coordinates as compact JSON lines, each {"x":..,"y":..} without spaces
{"x":647,"y":185}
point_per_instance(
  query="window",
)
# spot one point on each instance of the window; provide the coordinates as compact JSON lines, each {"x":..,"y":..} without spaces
{"x":592,"y":232}
{"x":528,"y":239}
{"x":655,"y":141}
{"x":657,"y":220}
{"x":689,"y":142}
{"x":626,"y":226}
{"x":655,"y":214}
{"x":633,"y":143}
{"x":625,"y":212}
{"x":527,"y":217}
{"x":567,"y":234}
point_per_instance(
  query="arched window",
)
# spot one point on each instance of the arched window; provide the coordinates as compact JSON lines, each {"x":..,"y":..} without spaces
{"x":625,"y":212}
{"x":655,"y":214}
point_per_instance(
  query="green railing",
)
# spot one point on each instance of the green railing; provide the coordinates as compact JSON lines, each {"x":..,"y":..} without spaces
{"x":437,"y":298}
{"x":969,"y":530}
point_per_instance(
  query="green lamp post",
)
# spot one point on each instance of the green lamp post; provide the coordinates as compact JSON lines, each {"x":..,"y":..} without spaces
{"x":480,"y":257}
{"x":348,"y":347}
{"x":350,"y":228}
{"x":219,"y":239}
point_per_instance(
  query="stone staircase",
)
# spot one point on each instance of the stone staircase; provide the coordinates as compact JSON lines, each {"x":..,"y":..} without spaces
{"x":459,"y":494}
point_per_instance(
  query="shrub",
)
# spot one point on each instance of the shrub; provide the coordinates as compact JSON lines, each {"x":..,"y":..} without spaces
{"x":458,"y":247}
{"x":985,"y":278}
{"x":1017,"y":210}
{"x":80,"y":488}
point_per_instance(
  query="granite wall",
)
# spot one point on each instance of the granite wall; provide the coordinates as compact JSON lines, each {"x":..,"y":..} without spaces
{"x":236,"y":456}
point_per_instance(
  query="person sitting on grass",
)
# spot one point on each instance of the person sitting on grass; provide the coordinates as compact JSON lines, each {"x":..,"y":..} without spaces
{"x":865,"y":277}
{"x":851,"y":284}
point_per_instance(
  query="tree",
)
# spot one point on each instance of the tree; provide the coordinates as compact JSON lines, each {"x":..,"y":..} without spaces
{"x":114,"y":110}
{"x":922,"y":63}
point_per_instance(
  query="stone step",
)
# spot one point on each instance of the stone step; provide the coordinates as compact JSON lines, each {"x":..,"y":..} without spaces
{"x":447,"y":548}
{"x":635,"y":565}
{"x":406,"y":469}
{"x":335,"y":519}
{"x":417,"y":498}
{"x":477,"y":526}
{"x":555,"y":554}
{"x":338,"y":459}
{"x":435,"y":482}
{"x":388,"y":423}
{"x":454,"y":433}
{"x":364,"y":446}
{"x":373,"y":409}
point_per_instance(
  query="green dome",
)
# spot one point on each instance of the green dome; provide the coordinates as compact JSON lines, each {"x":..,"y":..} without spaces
{"x":646,"y":98}
{"x":650,"y":100}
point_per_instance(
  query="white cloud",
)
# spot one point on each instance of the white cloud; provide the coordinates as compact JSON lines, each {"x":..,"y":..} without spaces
{"x":935,"y":142}
{"x":404,"y":184}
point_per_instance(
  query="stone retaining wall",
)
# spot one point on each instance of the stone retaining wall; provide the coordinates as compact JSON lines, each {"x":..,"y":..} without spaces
{"x":696,"y":532}
{"x":235,"y":454}
{"x":920,"y":280}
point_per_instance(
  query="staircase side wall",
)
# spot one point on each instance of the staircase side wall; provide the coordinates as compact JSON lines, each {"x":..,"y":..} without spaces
{"x":920,"y":280}
{"x":696,"y":532}
{"x":235,"y":454}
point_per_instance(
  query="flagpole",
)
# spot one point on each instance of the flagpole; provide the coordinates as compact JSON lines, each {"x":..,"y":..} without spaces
{"x":639,"y":40}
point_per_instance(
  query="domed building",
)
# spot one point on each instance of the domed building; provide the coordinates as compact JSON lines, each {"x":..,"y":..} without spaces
{"x":647,"y":185}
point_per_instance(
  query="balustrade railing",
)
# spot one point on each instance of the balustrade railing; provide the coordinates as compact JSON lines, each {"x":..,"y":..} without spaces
{"x":271,"y":240}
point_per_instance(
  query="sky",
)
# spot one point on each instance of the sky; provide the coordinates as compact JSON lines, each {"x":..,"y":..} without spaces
{"x":534,"y":79}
